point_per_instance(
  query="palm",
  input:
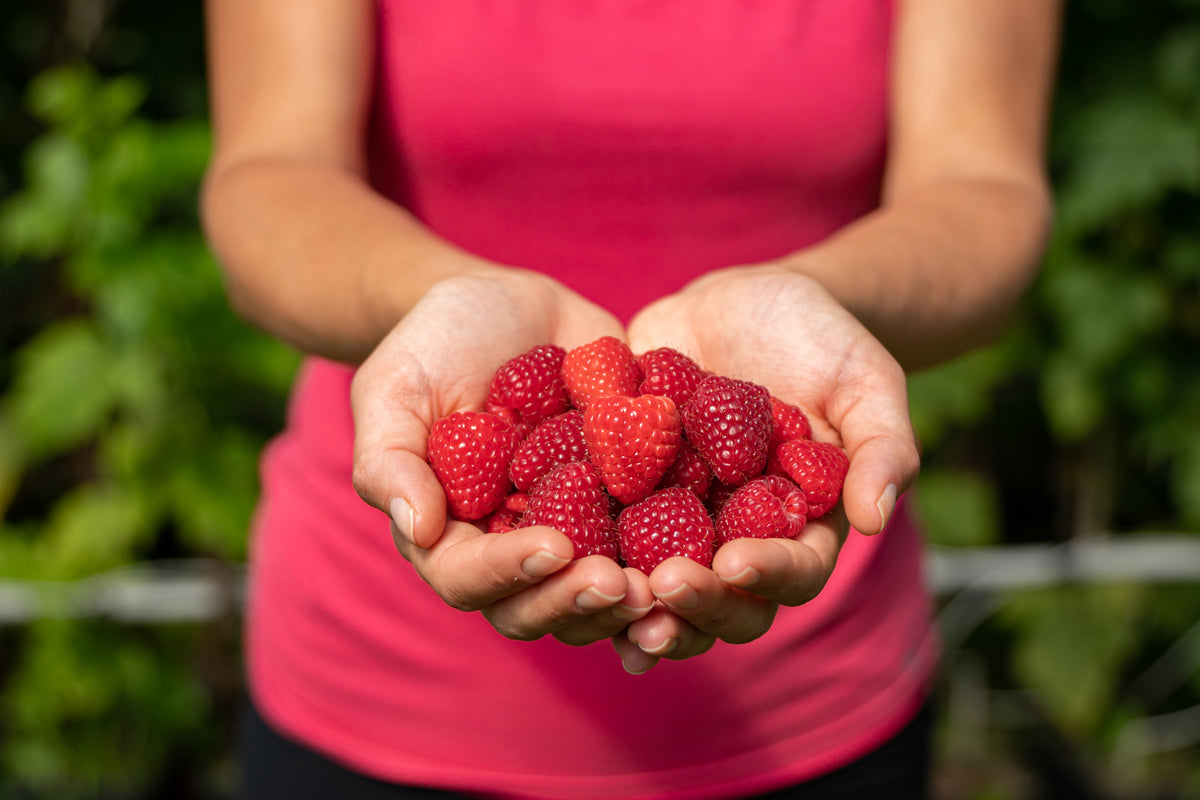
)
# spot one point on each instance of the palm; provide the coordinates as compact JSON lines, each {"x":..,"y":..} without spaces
{"x":438,"y":360}
{"x":442,"y":356}
{"x":785,"y":332}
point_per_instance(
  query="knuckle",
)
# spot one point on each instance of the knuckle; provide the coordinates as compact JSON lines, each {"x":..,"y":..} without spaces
{"x":457,"y":598}
{"x":511,"y":629}
{"x":363,"y":479}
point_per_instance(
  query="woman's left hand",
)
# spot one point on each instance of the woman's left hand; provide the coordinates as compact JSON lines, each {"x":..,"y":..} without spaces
{"x":783,"y":330}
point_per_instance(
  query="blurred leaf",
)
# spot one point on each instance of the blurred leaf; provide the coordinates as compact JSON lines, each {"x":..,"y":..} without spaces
{"x":1072,"y":646}
{"x":956,"y":393}
{"x":1182,"y":258}
{"x":74,"y":99}
{"x":1178,"y":63}
{"x":1103,"y":312}
{"x":957,"y":508}
{"x":63,"y":390}
{"x":1126,"y":152}
{"x":1185,"y":479}
{"x":38,"y":221}
{"x":212,"y":490}
{"x":93,"y":528}
{"x":1073,"y":402}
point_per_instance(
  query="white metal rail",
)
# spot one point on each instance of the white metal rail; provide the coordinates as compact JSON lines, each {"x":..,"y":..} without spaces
{"x":198,"y":590}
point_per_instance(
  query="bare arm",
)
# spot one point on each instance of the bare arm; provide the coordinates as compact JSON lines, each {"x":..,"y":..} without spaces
{"x":967,"y":207}
{"x":936,"y":270}
{"x":310,"y":252}
{"x":314,"y":256}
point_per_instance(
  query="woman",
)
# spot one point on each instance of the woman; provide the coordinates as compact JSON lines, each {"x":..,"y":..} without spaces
{"x":815,"y":195}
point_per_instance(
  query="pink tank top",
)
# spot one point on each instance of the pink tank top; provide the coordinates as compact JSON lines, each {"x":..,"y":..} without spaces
{"x":624,"y":147}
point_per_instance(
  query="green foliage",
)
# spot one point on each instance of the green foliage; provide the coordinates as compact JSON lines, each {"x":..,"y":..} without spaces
{"x":133,"y":404}
{"x":1086,"y":417}
{"x":97,"y":710}
{"x":143,"y":403}
{"x":1072,"y":648}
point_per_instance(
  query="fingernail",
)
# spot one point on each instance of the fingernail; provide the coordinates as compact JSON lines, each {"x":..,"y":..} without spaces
{"x":640,"y":664}
{"x":886,"y":504}
{"x":543,"y":563}
{"x":592,"y":599}
{"x":662,"y":648}
{"x":683,"y":597}
{"x":747,"y":577}
{"x":403,"y":517}
{"x":626,"y":613}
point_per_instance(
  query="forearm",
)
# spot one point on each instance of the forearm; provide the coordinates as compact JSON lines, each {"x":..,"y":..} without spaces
{"x":938,"y":270}
{"x":312,"y":255}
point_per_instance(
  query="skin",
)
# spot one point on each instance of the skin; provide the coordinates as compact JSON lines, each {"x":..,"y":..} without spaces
{"x":314,"y":256}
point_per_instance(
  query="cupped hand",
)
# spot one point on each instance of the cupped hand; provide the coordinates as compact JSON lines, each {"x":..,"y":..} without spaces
{"x":440,"y":359}
{"x":781,"y":329}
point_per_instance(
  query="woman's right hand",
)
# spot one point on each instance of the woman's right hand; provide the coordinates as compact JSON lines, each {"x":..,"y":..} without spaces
{"x":440,"y":359}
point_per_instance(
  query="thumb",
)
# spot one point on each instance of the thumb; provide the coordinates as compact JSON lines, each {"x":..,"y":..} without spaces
{"x":880,"y":468}
{"x":391,"y":429}
{"x":400,"y":483}
{"x":878,"y":437}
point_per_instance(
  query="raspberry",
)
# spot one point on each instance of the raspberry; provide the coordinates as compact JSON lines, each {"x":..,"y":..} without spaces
{"x":558,"y":440}
{"x":632,"y":441}
{"x":790,"y":423}
{"x":502,"y":520}
{"x":570,"y":499}
{"x":718,"y":494}
{"x":517,"y":502}
{"x":763,"y":508}
{"x":669,"y":373}
{"x":670,"y":522}
{"x":469,"y":452}
{"x":818,"y":468}
{"x":729,"y":422}
{"x":531,"y":385}
{"x":602,"y":368}
{"x":688,"y":471}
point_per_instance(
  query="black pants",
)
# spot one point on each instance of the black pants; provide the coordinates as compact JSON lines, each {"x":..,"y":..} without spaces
{"x":275,"y":767}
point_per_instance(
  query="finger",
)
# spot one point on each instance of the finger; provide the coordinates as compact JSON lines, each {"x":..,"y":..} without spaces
{"x":697,"y":595}
{"x":789,"y":572}
{"x":588,"y":587}
{"x":471,"y":570}
{"x":611,"y":621}
{"x":664,"y":634}
{"x":870,"y":410}
{"x":634,"y":659}
{"x":663,"y":323}
{"x":392,"y":418}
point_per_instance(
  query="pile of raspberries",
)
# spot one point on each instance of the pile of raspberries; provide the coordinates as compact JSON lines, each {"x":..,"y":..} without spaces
{"x":638,"y":458}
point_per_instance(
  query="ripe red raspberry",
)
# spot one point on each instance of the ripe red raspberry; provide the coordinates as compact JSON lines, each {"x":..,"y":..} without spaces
{"x":729,"y":422}
{"x":502,"y":520}
{"x":558,"y":440}
{"x":770,"y":507}
{"x":669,"y":373}
{"x":688,"y":471}
{"x":632,"y":441}
{"x":517,"y":501}
{"x":602,"y":368}
{"x":571,"y":499}
{"x":469,"y":452}
{"x":531,"y":385}
{"x":790,"y":423}
{"x":670,"y":522}
{"x":818,"y":468}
